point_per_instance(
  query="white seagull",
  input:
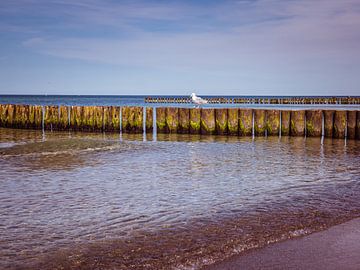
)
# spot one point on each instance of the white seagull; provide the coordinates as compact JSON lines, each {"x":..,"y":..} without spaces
{"x":198,"y":100}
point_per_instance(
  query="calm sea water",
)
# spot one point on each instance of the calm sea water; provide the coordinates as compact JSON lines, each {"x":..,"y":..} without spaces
{"x":140,"y":101}
{"x":117,"y":201}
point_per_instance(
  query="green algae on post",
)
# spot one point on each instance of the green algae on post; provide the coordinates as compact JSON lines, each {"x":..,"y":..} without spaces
{"x":63,"y":118}
{"x":51,"y":118}
{"x":195,"y":121}
{"x":313,"y":123}
{"x":149,"y":120}
{"x":233,"y":121}
{"x":259,"y":122}
{"x":172,"y":119}
{"x":297,"y":124}
{"x":207,"y":121}
{"x":132,"y":119}
{"x":184,"y":121}
{"x":111,"y":119}
{"x":21,"y":116}
{"x":272,"y":122}
{"x":245,"y":122}
{"x":221,"y":121}
{"x":339,"y":124}
{"x":76,"y":115}
{"x":285,"y":123}
{"x":161,"y":120}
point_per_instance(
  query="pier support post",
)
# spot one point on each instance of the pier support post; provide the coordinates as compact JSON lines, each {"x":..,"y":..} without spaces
{"x":149,"y":119}
{"x":272,"y":122}
{"x":245,"y":122}
{"x":339,"y":124}
{"x":132,"y":119}
{"x":76,"y":115}
{"x":172,"y":119}
{"x":51,"y":119}
{"x":285,"y":123}
{"x":21,"y":116}
{"x":195,"y":121}
{"x":35,"y":116}
{"x":221,"y":121}
{"x":297,"y":126}
{"x":111,"y":119}
{"x":161,"y":120}
{"x":63,"y":118}
{"x":328,"y":123}
{"x":358,"y":125}
{"x":184,"y":121}
{"x":351,"y":124}
{"x":233,"y":121}
{"x":207,"y":121}
{"x":313,"y":123}
{"x":259,"y":121}
{"x":7,"y":115}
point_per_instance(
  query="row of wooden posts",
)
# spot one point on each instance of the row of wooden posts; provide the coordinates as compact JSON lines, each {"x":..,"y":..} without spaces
{"x":290,"y":100}
{"x":231,"y":121}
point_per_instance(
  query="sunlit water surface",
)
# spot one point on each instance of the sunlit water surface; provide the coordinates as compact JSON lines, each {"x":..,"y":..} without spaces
{"x":130,"y":202}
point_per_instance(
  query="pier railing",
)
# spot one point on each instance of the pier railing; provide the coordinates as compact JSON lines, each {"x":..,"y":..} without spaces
{"x":217,"y":121}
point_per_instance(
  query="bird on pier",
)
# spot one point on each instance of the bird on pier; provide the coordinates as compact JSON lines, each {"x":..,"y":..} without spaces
{"x":198,"y":100}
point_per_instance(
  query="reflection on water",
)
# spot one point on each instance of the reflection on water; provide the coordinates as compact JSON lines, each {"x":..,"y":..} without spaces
{"x":101,"y":200}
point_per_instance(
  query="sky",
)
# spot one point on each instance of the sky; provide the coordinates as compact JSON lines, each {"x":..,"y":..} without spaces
{"x":243,"y":47}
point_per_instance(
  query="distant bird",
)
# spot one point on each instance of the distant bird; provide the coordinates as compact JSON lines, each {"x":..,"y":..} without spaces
{"x":197,"y":100}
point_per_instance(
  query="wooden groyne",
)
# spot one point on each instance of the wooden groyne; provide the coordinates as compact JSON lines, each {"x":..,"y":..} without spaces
{"x":207,"y":121}
{"x":262,"y":100}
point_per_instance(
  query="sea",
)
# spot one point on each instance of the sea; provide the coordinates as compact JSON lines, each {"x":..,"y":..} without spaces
{"x":73,"y":200}
{"x":109,"y":100}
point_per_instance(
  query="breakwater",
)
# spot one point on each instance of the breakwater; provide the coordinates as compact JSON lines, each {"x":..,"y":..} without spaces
{"x":260,"y":100}
{"x":207,"y":121}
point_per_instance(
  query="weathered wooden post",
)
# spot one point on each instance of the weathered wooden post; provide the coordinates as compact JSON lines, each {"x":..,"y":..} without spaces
{"x":207,"y":121}
{"x":351,"y":124}
{"x":184,"y":121}
{"x":328,"y":123}
{"x":245,"y":122}
{"x":76,"y":117}
{"x":172,"y":119}
{"x":21,"y":116}
{"x":221,"y":121}
{"x":8,"y":115}
{"x":233,"y":121}
{"x":285,"y":123}
{"x":87,"y":122}
{"x":297,"y":124}
{"x":358,"y":125}
{"x":273,"y":122}
{"x":339,"y":124}
{"x":132,"y":119}
{"x":98,"y":115}
{"x":195,"y":121}
{"x":313,"y":123}
{"x":63,"y":118}
{"x":161,"y":120}
{"x":111,"y":119}
{"x":51,"y":119}
{"x":259,"y":122}
{"x":149,"y":119}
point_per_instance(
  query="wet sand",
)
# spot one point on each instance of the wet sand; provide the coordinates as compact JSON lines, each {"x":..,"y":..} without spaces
{"x":335,"y":248}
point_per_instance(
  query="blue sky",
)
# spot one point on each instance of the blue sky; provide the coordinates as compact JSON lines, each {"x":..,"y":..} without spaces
{"x":244,"y":47}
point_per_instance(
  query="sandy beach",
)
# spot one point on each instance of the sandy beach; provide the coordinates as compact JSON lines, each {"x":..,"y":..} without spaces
{"x":335,"y":248}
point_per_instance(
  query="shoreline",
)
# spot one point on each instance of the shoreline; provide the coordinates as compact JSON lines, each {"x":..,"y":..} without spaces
{"x":335,"y":248}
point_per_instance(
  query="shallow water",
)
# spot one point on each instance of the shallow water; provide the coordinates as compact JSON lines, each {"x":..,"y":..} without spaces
{"x":181,"y":201}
